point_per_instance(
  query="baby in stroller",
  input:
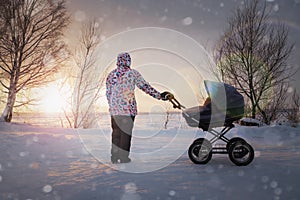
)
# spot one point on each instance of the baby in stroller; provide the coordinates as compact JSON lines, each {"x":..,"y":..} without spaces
{"x":222,"y":107}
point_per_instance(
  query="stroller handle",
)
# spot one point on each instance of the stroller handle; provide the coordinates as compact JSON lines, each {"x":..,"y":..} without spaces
{"x":174,"y":102}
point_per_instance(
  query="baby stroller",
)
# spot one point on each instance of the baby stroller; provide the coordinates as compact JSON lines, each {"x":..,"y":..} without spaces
{"x":223,"y":106}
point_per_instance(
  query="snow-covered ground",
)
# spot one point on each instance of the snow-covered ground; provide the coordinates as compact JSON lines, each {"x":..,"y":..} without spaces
{"x":66,"y":164}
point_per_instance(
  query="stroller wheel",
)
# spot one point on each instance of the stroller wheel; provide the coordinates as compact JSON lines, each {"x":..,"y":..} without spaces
{"x":200,"y":152}
{"x":241,"y":153}
{"x":233,"y":140}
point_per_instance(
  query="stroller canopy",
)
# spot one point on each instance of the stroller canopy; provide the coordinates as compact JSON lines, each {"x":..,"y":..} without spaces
{"x":226,"y":106}
{"x":225,"y":97}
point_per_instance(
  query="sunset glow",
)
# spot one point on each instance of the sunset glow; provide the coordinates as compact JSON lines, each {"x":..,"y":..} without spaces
{"x":54,"y":99}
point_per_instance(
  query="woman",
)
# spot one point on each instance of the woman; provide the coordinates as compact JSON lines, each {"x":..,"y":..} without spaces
{"x":120,"y":85}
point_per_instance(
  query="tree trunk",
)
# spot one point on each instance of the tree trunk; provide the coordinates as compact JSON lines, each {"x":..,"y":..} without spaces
{"x":253,"y":111}
{"x":8,"y":110}
{"x":253,"y":108}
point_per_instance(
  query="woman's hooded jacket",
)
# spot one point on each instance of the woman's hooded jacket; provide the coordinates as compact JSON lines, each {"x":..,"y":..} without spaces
{"x":120,"y":85}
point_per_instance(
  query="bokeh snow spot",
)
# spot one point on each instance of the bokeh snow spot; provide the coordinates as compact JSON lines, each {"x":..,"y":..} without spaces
{"x":257,"y":154}
{"x":23,"y":154}
{"x":130,"y":187}
{"x":102,"y":37}
{"x":290,"y":89}
{"x":209,"y":169}
{"x":187,"y":21}
{"x":276,"y":8}
{"x":79,"y":16}
{"x":292,"y":134}
{"x":276,"y":198}
{"x":47,"y":188}
{"x":34,"y":165}
{"x":94,"y":166}
{"x":241,"y":173}
{"x":35,"y":139}
{"x":94,"y":186}
{"x":172,"y":193}
{"x":0,"y":178}
{"x":278,"y":191}
{"x":193,"y":198}
{"x":130,"y":192}
{"x":1,"y":169}
{"x":222,"y":4}
{"x":9,"y":164}
{"x":274,"y":184}
{"x":69,"y":154}
{"x":264,"y":179}
{"x":163,"y":18}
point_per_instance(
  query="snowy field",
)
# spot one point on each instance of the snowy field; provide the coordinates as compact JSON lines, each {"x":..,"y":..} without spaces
{"x":66,"y":164}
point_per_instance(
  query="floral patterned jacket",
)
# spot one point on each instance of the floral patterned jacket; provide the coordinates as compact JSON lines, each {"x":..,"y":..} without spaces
{"x":120,"y":86}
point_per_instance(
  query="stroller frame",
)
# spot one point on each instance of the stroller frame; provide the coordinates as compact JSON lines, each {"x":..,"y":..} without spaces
{"x":200,"y":151}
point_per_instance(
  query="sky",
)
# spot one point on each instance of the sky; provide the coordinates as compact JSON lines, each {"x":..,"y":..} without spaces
{"x":193,"y":26}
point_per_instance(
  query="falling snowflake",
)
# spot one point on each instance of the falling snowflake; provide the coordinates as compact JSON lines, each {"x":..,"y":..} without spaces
{"x":276,"y":7}
{"x":257,"y":154}
{"x":101,"y":19}
{"x":222,"y":4}
{"x":102,"y":37}
{"x":163,"y":18}
{"x":23,"y":154}
{"x":94,"y":165}
{"x":69,"y":154}
{"x":0,"y":178}
{"x":274,"y":184}
{"x":35,"y":139}
{"x":130,"y":188}
{"x":187,"y":21}
{"x":209,"y":169}
{"x":264,"y":179}
{"x":172,"y":193}
{"x":241,"y":173}
{"x":79,"y":16}
{"x":290,"y":90}
{"x":47,"y":188}
{"x":34,"y":165}
{"x":130,"y":192}
{"x":278,"y":191}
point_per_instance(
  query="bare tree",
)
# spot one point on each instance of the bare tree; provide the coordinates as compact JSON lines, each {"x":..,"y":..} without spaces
{"x":30,"y":45}
{"x":293,"y":112}
{"x":252,"y":54}
{"x":168,"y":108}
{"x":272,"y":107}
{"x":87,"y":85}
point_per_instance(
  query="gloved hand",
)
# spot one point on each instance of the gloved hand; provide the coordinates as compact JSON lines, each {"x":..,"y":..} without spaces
{"x":166,"y":96}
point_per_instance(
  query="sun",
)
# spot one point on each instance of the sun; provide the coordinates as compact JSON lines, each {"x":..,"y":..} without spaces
{"x":54,"y":99}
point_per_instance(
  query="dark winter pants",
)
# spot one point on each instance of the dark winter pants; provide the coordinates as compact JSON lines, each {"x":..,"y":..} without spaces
{"x":121,"y":135}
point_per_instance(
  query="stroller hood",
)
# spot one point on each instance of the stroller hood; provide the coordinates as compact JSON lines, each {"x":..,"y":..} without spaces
{"x":226,"y":106}
{"x":225,"y":97}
